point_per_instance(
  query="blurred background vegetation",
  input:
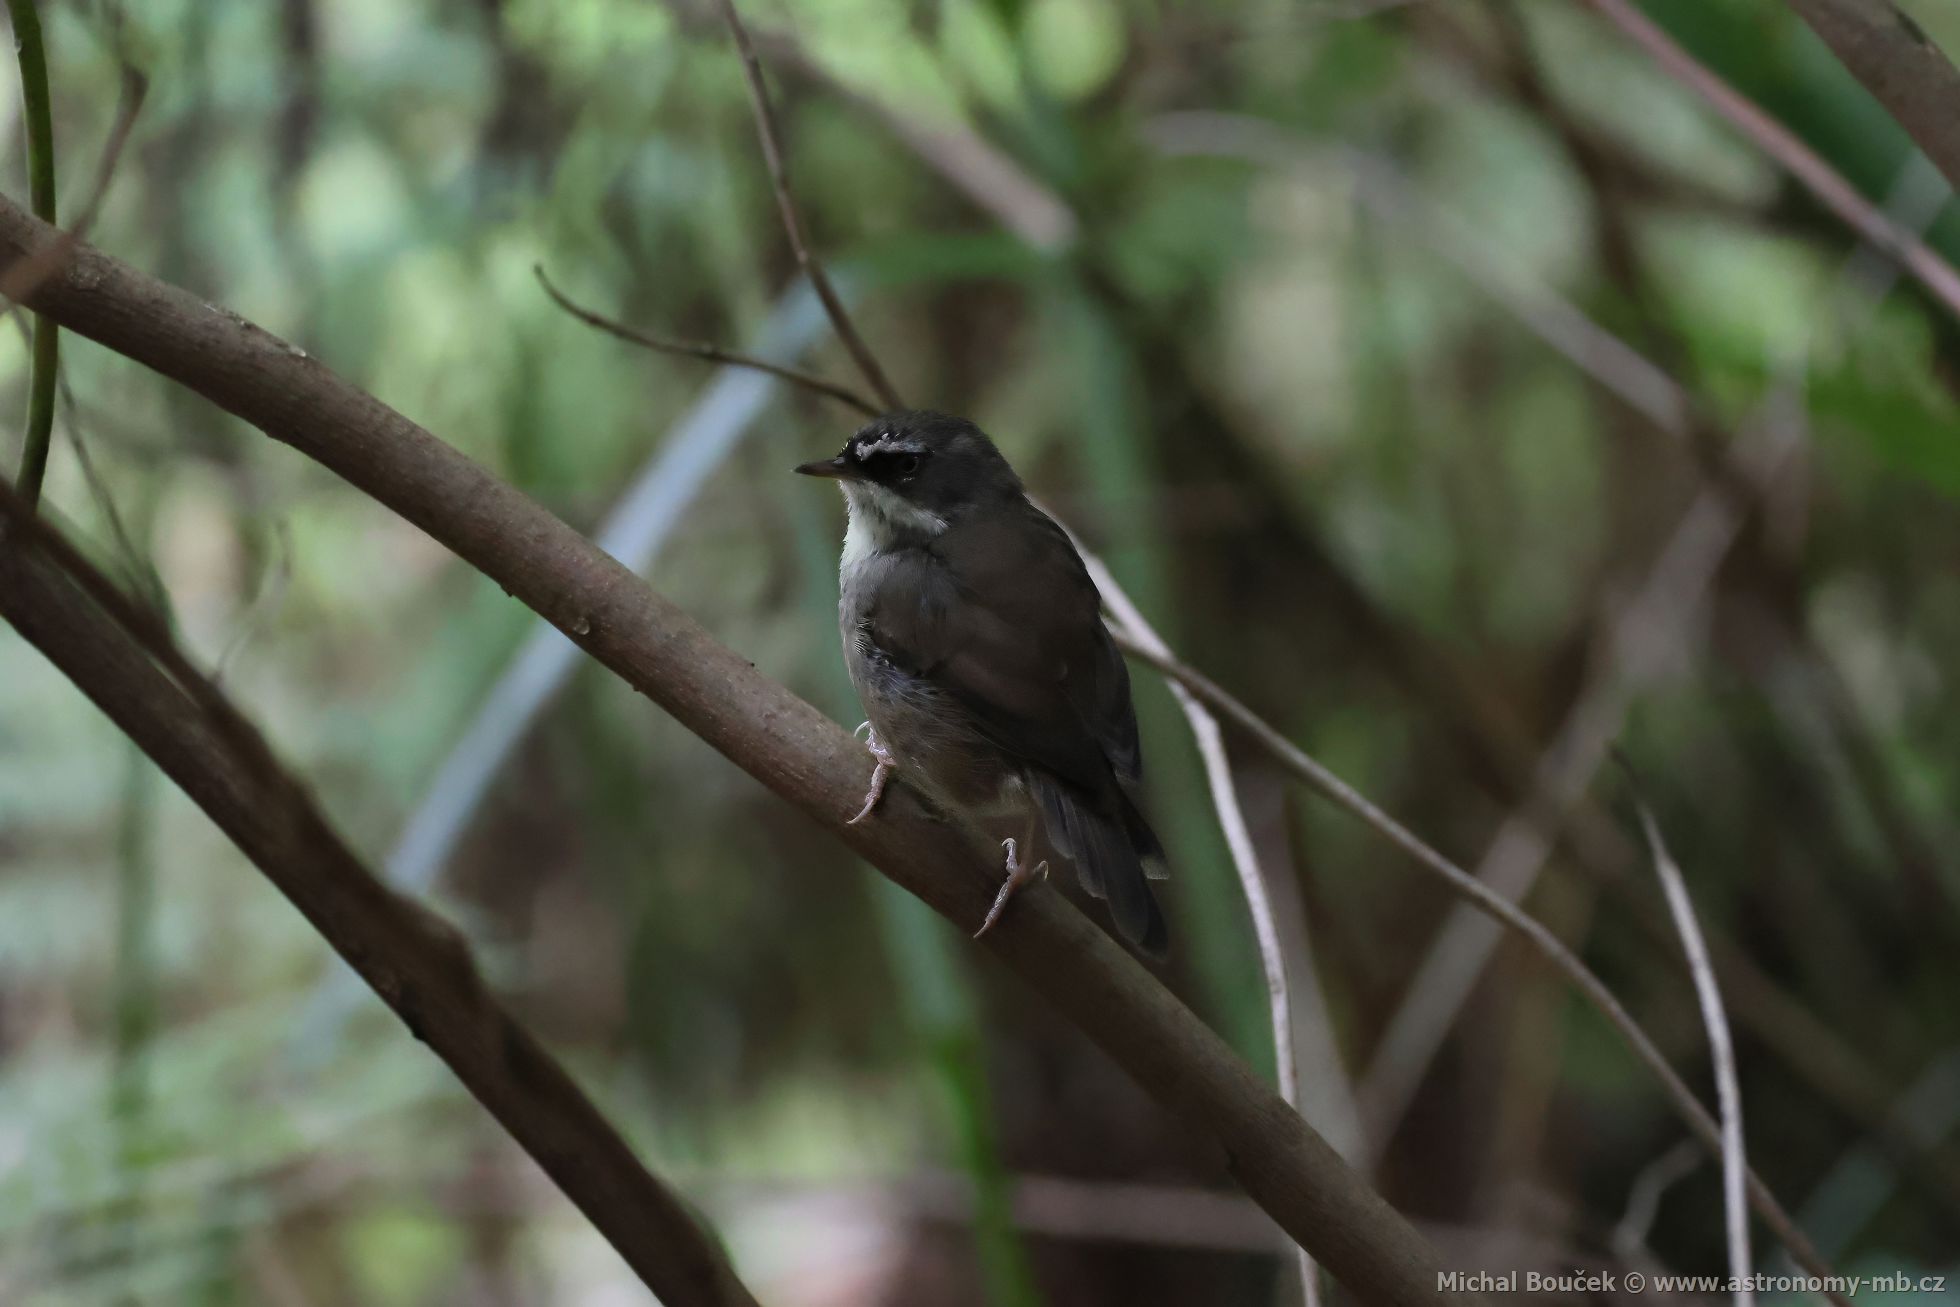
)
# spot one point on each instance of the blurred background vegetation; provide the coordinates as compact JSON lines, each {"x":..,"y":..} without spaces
{"x":1255,"y":357}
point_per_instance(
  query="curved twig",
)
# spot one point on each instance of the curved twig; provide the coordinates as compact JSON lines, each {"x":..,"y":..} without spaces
{"x":702,"y":350}
{"x":1721,"y":1050}
{"x":1238,"y":839}
{"x":772,"y":154}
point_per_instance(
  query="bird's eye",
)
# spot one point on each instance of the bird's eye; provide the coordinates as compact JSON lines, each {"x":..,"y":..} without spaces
{"x":907,"y":465}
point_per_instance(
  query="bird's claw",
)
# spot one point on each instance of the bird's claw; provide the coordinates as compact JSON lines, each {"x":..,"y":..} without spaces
{"x":1017,"y":876}
{"x":879,"y":774}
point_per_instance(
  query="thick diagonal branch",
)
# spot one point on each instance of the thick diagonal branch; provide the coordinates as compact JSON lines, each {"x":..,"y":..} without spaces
{"x":120,"y":659}
{"x":767,"y":731}
{"x":1900,"y":66}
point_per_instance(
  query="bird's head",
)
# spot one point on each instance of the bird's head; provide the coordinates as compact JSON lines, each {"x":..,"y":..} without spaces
{"x":919,"y":471}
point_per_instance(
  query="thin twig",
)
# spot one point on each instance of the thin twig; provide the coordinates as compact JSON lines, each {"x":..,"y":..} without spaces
{"x":142,"y":572}
{"x":1238,"y":838}
{"x":1721,"y":1050}
{"x":123,"y":660}
{"x":1500,"y":909}
{"x":1783,"y":145}
{"x":46,"y":350}
{"x":708,"y":353}
{"x":1644,"y":1195}
{"x":772,"y":154}
{"x":265,"y":603}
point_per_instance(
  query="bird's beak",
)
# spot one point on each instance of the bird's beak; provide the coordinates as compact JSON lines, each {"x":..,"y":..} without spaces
{"x":835,"y":468}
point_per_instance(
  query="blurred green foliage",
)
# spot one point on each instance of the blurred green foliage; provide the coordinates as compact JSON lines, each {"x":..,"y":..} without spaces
{"x":1345,"y":480}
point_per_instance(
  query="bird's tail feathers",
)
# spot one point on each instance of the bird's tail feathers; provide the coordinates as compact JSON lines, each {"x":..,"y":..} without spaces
{"x":1113,"y":854}
{"x":1150,"y":851}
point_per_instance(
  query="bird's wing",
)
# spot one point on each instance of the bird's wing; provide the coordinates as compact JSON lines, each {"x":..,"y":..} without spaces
{"x":1005,"y":619}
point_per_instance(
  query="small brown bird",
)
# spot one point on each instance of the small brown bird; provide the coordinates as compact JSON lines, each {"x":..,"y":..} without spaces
{"x":975,"y":639}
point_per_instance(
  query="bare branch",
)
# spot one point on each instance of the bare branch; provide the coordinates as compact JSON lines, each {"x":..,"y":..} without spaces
{"x":782,"y":741}
{"x":1900,"y":66}
{"x":119,"y":656}
{"x":707,"y":353}
{"x":772,"y":153}
{"x":1238,"y":838}
{"x":1644,"y":1196}
{"x":1783,"y":145}
{"x":1721,"y":1049}
{"x":1500,"y":909}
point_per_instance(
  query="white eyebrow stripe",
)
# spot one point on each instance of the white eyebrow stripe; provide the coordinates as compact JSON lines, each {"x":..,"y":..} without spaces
{"x":889,"y":444}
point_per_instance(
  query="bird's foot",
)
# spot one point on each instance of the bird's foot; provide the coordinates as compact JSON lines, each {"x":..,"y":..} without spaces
{"x":1017,"y":876}
{"x":879,"y":774}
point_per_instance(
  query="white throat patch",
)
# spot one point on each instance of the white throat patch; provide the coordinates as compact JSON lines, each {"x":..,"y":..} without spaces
{"x":880,"y":519}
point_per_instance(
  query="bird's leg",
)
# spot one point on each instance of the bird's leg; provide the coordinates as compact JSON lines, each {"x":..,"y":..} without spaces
{"x":878,"y":773}
{"x":1018,"y":874}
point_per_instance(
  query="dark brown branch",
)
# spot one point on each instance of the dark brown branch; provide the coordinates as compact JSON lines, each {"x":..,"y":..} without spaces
{"x":121,"y":659}
{"x":1900,"y":66}
{"x":806,"y":259}
{"x":702,"y":350}
{"x":779,"y":739}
